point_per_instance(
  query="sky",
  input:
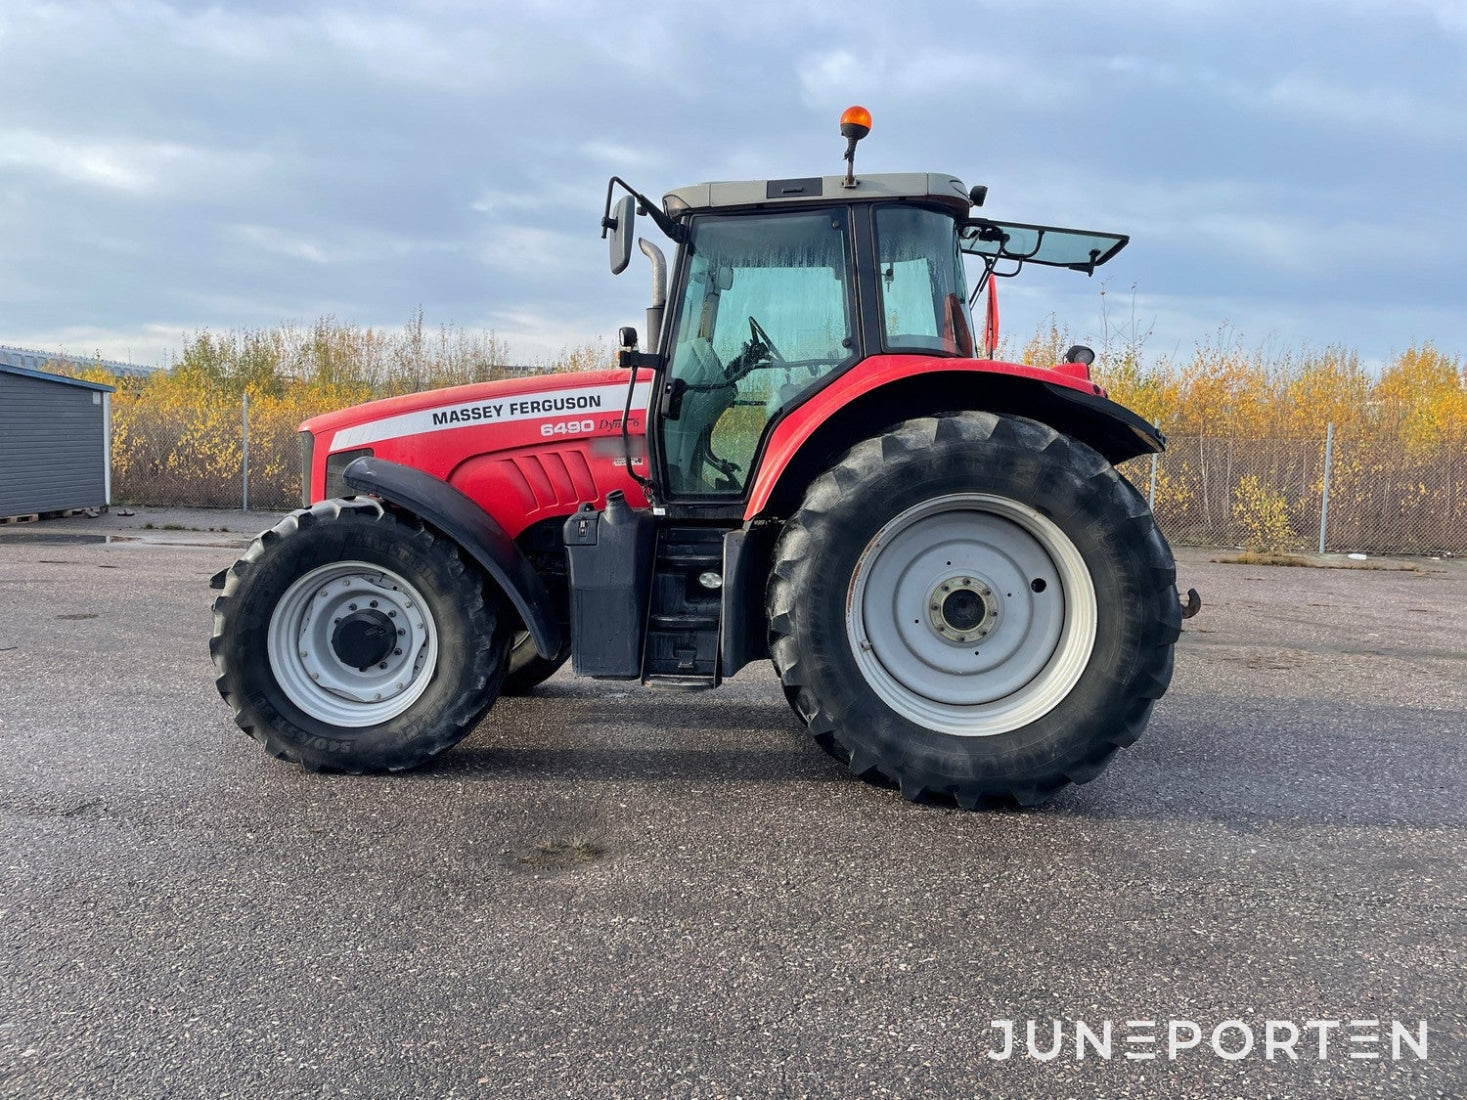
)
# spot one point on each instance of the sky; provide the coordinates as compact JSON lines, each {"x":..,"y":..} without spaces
{"x":1290,"y":172}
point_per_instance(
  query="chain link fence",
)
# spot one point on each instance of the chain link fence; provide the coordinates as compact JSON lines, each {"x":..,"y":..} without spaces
{"x":1266,"y":494}
{"x":208,"y":454}
{"x":1384,"y":497}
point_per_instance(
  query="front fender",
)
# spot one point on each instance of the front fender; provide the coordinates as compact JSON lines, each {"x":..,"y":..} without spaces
{"x":450,"y":512}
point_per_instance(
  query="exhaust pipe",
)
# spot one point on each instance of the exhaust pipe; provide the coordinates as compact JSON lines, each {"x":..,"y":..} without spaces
{"x":659,"y":293}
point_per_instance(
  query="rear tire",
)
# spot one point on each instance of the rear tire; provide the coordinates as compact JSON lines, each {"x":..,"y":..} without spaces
{"x":351,"y":640}
{"x":973,"y":607}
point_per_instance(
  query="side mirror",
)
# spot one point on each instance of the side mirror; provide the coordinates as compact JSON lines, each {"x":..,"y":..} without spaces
{"x":621,"y":224}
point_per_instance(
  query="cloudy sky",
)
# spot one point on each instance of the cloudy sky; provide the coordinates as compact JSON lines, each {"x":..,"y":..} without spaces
{"x":1289,"y":172}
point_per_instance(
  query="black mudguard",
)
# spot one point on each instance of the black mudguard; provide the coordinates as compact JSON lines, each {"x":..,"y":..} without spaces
{"x":1112,"y":429}
{"x":447,"y":510}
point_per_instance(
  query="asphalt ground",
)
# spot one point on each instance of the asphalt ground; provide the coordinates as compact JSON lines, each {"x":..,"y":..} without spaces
{"x":609,"y":891}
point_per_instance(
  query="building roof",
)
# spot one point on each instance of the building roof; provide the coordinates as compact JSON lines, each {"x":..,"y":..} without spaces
{"x":32,"y":359}
{"x":24,"y":372}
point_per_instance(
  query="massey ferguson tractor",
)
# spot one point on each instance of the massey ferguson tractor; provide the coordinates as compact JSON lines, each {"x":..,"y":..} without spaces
{"x":816,"y":460}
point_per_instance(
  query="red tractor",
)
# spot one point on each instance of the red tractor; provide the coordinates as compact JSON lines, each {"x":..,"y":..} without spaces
{"x":814,"y":462}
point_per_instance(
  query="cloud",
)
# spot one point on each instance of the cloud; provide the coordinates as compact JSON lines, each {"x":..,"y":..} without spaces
{"x":408,"y":51}
{"x":623,"y":157}
{"x":154,"y":169}
{"x":833,"y":78}
{"x":284,"y":244}
{"x":529,"y":251}
{"x":1384,"y":110}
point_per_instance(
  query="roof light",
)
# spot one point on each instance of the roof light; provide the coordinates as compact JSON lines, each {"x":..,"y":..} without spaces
{"x":855,"y":124}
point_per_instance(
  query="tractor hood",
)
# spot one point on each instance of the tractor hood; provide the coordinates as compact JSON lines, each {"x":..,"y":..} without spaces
{"x":516,"y":433}
{"x":551,"y":397}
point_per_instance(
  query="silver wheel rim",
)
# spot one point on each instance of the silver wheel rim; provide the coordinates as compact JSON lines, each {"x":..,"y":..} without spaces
{"x":971,"y":614}
{"x":307,"y":666}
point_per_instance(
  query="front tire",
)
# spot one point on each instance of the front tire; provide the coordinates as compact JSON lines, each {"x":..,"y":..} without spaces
{"x":349,"y":639}
{"x":527,"y":669}
{"x":973,"y":607}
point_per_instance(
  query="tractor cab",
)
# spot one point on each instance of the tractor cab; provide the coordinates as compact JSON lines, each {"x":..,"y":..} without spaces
{"x":773,"y":298}
{"x":779,"y":287}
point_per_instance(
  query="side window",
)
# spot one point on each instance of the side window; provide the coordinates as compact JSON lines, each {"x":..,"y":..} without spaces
{"x":766,"y":314}
{"x":924,"y":300}
{"x":908,"y":310}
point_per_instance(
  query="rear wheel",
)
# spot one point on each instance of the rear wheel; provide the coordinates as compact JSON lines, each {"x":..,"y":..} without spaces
{"x":349,"y":640}
{"x":973,"y":607}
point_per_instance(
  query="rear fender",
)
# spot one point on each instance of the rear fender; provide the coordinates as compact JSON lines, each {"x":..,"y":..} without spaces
{"x":886,"y":390}
{"x":456,"y":516}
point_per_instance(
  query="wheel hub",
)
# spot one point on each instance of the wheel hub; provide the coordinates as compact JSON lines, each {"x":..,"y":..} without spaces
{"x":962,"y":609}
{"x":363,"y":639}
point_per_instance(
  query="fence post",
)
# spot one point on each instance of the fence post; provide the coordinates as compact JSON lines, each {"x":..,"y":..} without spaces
{"x":1151,"y":495}
{"x":244,"y":418}
{"x":1329,"y":447}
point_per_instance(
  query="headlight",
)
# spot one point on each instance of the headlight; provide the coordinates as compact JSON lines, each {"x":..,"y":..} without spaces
{"x":336,"y":485}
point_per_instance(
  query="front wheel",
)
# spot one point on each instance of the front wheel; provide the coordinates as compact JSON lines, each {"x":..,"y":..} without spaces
{"x":527,"y":669}
{"x":973,"y":607}
{"x":351,"y":640}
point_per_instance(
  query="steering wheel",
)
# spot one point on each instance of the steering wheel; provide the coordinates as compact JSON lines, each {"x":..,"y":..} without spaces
{"x":756,"y":330}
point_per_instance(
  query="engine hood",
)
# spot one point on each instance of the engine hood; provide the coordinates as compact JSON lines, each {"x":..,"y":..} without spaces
{"x":510,"y":400}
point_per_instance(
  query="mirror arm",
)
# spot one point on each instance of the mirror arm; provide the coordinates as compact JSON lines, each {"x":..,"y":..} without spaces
{"x":646,"y":206}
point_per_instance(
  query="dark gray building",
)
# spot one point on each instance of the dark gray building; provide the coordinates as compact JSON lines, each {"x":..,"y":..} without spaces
{"x":55,"y":442}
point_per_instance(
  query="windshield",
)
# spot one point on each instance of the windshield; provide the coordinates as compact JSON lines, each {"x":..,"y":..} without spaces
{"x":765,"y":314}
{"x":1077,"y":249}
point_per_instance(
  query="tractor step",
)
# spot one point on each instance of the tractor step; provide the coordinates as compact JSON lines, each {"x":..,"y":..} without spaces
{"x":682,"y":622}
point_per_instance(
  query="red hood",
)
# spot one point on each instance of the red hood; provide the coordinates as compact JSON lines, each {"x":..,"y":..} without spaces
{"x":452,"y":395}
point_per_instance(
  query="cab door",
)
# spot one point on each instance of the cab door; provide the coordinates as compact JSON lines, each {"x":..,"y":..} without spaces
{"x":766,"y":311}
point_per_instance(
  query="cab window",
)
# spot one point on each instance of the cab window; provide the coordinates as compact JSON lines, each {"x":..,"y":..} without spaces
{"x":924,"y":296}
{"x":766,"y":313}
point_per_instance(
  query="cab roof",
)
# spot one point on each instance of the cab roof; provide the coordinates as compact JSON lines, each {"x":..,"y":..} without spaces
{"x":934,"y":187}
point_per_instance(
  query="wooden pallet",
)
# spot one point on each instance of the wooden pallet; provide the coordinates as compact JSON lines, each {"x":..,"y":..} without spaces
{"x":31,"y":518}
